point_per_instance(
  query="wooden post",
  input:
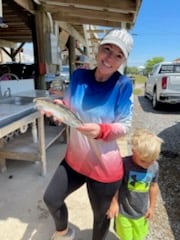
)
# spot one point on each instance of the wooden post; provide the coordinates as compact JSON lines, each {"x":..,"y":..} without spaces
{"x":42,"y":147}
{"x":40,"y":47}
{"x":71,"y":44}
{"x":3,"y":167}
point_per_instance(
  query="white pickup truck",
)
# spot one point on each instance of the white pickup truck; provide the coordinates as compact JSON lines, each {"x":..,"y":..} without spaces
{"x":163,"y":84}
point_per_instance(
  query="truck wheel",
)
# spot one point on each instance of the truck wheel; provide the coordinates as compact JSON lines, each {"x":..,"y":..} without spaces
{"x":155,"y":102}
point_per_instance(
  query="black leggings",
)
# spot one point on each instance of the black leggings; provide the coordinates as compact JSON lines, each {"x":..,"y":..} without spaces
{"x":65,"y":181}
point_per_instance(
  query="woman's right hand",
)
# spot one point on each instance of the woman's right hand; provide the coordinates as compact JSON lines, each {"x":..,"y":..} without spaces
{"x":90,"y":130}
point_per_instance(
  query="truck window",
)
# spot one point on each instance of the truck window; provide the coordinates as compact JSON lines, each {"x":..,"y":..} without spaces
{"x":170,"y":69}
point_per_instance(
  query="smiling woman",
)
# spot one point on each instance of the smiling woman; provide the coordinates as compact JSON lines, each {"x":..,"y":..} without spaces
{"x":102,"y":99}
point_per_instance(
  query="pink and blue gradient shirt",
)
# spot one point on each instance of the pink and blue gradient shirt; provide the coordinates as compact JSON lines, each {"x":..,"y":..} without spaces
{"x":108,"y":104}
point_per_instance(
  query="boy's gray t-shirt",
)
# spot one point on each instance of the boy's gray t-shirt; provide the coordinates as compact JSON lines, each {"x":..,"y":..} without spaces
{"x":134,"y":192}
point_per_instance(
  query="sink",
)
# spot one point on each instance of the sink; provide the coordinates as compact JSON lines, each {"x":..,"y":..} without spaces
{"x":15,"y":107}
{"x":16,"y":100}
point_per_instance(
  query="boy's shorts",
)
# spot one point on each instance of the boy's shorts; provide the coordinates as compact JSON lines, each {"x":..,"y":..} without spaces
{"x":130,"y":229}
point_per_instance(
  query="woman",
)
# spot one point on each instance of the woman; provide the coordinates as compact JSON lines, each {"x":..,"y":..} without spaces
{"x":102,"y":98}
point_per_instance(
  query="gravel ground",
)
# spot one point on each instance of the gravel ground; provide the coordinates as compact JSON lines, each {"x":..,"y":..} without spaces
{"x":166,"y":124}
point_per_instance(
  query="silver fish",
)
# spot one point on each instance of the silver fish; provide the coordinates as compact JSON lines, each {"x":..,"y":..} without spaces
{"x":59,"y":111}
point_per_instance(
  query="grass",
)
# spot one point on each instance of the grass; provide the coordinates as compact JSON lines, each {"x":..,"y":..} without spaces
{"x":139,"y":80}
{"x":138,"y":91}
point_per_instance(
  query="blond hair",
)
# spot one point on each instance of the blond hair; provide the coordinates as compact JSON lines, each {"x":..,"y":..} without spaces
{"x":146,"y":144}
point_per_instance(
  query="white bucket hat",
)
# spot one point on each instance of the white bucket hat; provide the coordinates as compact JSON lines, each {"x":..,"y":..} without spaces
{"x":121,"y":38}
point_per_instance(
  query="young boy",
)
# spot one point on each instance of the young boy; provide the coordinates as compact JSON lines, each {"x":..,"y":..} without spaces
{"x":134,"y":204}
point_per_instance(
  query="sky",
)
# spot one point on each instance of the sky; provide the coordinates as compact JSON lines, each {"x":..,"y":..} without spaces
{"x":156,"y":32}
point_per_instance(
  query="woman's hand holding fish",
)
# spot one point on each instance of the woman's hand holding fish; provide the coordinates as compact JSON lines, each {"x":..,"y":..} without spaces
{"x":50,"y":114}
{"x":58,"y":101}
{"x":91,"y":130}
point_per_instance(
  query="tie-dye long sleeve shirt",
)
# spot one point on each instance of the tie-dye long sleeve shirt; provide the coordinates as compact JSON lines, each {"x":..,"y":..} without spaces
{"x":108,"y":104}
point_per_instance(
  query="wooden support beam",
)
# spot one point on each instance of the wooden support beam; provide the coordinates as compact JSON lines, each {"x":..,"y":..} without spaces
{"x":4,"y":49}
{"x":40,"y":23}
{"x":113,"y":4}
{"x":17,"y":50}
{"x":84,"y":14}
{"x":72,"y":31}
{"x":4,"y":43}
{"x":94,"y":39}
{"x":98,"y":30}
{"x":71,"y":44}
{"x":27,"y":4}
{"x":97,"y":22}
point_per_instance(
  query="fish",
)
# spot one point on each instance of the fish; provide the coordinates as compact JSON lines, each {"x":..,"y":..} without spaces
{"x":59,"y":111}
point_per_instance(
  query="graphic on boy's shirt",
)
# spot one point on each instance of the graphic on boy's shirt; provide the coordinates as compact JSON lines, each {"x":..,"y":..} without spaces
{"x":139,"y":182}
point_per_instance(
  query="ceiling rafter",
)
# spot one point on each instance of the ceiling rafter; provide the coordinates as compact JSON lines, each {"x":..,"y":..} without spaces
{"x":71,"y":15}
{"x":123,"y":5}
{"x":92,"y":14}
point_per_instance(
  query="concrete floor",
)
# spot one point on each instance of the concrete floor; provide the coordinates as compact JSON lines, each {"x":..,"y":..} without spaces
{"x":23,"y":214}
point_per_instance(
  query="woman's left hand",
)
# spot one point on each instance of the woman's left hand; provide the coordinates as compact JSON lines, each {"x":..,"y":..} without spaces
{"x":91,"y":130}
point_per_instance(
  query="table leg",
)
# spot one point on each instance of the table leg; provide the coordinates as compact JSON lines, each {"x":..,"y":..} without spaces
{"x":42,"y":148}
{"x":3,"y":167}
{"x":34,"y":131}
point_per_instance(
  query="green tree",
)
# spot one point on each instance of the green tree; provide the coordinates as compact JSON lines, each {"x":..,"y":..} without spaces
{"x":150,"y":63}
